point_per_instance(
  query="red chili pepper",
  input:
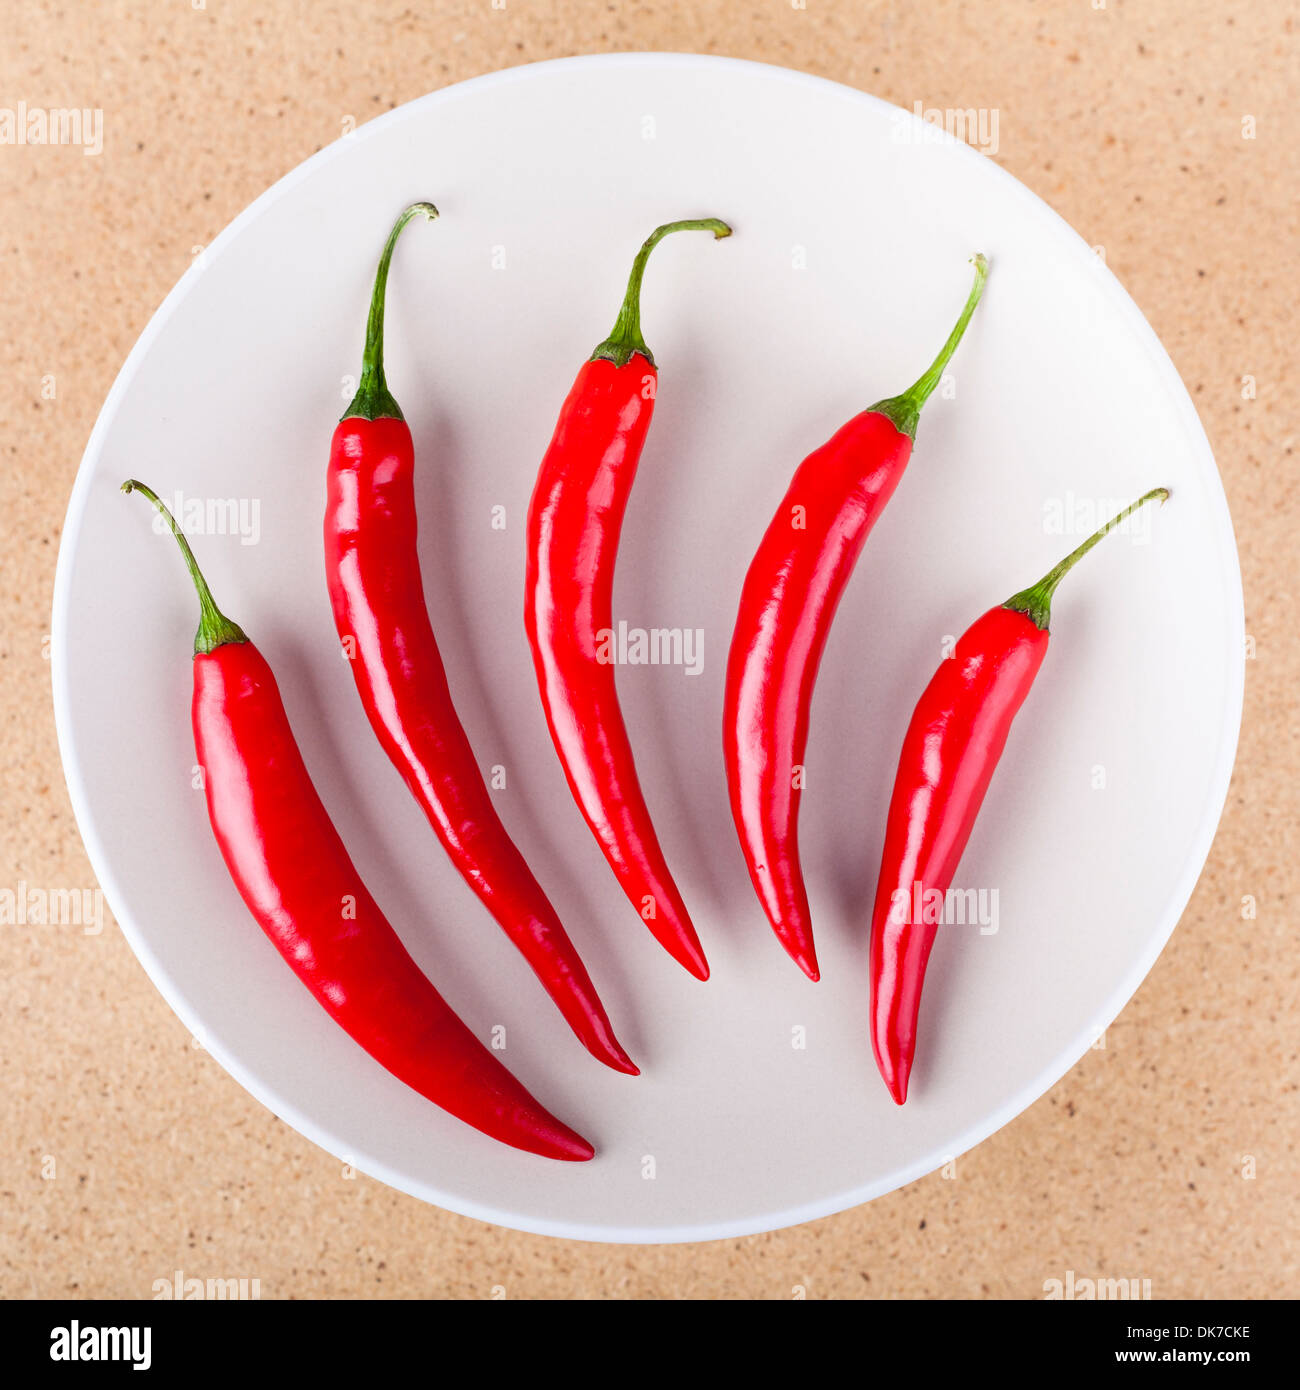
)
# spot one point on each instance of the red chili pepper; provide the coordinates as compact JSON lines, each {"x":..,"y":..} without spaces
{"x":372,"y":566}
{"x":294,"y":874}
{"x":953,"y":743}
{"x":789,"y":598}
{"x":573,"y":530}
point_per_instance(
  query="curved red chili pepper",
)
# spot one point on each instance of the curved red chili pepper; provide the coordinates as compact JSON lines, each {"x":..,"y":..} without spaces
{"x":573,"y":530}
{"x":789,"y":598}
{"x":952,"y":745}
{"x":294,"y":874}
{"x":372,"y":566}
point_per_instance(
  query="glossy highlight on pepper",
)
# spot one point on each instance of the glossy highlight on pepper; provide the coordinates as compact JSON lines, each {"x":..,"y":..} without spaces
{"x":574,"y":523}
{"x":791,"y":591}
{"x":372,"y":568}
{"x":954,"y":741}
{"x":295,"y":876}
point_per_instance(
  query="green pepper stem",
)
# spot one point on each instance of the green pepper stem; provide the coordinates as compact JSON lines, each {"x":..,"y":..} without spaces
{"x":1036,"y":601}
{"x":626,"y":339}
{"x":905,"y":410}
{"x":215,"y":629}
{"x":373,"y":400}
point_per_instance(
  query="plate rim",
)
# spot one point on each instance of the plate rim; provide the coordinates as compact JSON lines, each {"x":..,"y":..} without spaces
{"x":1054,"y":1069}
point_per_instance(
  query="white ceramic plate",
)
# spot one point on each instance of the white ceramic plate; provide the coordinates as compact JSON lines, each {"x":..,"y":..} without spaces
{"x":759,"y":1105}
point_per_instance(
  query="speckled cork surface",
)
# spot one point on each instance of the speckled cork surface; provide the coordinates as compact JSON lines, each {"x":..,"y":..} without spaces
{"x":1165,"y":132}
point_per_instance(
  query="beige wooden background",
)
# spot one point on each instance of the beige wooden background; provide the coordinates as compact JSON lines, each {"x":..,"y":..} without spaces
{"x":1165,"y":131}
